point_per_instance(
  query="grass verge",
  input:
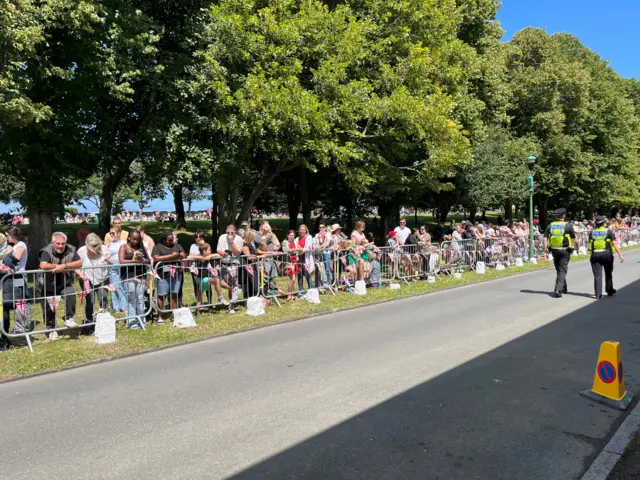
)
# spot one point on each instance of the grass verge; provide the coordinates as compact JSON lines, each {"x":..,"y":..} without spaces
{"x":66,"y":352}
{"x":69,"y":351}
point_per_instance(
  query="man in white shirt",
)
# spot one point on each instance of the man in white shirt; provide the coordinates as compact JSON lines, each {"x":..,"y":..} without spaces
{"x":402,"y":232}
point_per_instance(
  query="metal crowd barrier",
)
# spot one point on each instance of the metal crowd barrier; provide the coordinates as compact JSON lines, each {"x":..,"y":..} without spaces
{"x":38,"y":302}
{"x":458,"y":255}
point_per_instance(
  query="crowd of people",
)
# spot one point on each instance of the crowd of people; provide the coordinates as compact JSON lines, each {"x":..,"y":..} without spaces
{"x":117,"y":272}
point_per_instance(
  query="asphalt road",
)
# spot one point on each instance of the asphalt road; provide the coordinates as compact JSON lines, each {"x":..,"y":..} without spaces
{"x":480,"y":382}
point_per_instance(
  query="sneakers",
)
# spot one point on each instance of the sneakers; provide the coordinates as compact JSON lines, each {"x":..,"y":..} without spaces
{"x":234,"y":295}
{"x":612,"y":292}
{"x":232,"y":310}
{"x":71,"y":323}
{"x":223,"y":300}
{"x":53,"y":336}
{"x":557,"y":294}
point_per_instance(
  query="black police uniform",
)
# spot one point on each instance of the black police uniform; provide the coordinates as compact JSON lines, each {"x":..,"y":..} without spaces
{"x":601,"y":246}
{"x":562,"y":252}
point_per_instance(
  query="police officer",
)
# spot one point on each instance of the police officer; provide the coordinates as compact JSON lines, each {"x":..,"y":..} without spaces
{"x":602,"y":243}
{"x":559,"y":238}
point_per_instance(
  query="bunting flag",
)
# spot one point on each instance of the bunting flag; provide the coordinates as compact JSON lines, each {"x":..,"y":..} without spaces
{"x":53,"y":302}
{"x":138,"y":280}
{"x":344,"y":261}
{"x":155,"y":275}
{"x":320,"y":266}
{"x":193,"y":269}
{"x":213,"y":272}
{"x":172,"y":269}
{"x":250,"y":270}
{"x":308,"y":267}
{"x":278,"y":263}
{"x":20,"y":306}
{"x":232,"y":272}
{"x":87,"y":285}
{"x":4,"y":268}
{"x":83,"y":295}
{"x":111,"y":287}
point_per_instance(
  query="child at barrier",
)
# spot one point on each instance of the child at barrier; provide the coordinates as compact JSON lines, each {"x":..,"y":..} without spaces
{"x":199,"y":262}
{"x":268,"y":271}
{"x":206,"y":276}
{"x":293,"y":266}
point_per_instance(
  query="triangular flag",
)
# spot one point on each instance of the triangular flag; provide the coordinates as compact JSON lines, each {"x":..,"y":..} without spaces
{"x":193,"y":269}
{"x":20,"y":306}
{"x":87,"y":285}
{"x":83,"y":295}
{"x":232,"y":272}
{"x":4,"y":268}
{"x":53,"y":302}
{"x":111,"y":287}
{"x":250,"y":270}
{"x":172,"y":269}
{"x":308,"y":267}
{"x":213,"y":271}
{"x":344,"y":261}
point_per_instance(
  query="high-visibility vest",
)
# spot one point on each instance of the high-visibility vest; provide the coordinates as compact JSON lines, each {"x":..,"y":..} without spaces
{"x":557,"y":235}
{"x":599,"y":240}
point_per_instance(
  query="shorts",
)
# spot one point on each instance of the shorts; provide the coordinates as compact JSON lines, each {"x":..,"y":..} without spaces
{"x":169,"y":285}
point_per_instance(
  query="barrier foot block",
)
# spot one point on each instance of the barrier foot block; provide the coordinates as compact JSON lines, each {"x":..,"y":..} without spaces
{"x":621,"y":404}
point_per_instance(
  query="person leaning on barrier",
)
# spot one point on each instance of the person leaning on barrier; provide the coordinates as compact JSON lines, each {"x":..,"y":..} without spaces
{"x":602,"y":243}
{"x":10,"y":294}
{"x":93,"y":277}
{"x":59,"y":260}
{"x":133,"y":275}
{"x":559,"y":238}
{"x":230,"y":248}
{"x":169,"y":253}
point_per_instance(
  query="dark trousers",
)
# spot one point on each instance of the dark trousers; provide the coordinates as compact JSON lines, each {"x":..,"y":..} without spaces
{"x":97,"y":293}
{"x":599,"y":261}
{"x":561,"y":262}
{"x":68,"y":294}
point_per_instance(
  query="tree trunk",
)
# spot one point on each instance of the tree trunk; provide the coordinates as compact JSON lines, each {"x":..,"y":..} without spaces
{"x":443,"y":210}
{"x":508,"y":213}
{"x":215,"y":229}
{"x":484,"y":216}
{"x":542,"y":202}
{"x":181,"y":222}
{"x":349,"y":220}
{"x":40,"y":231}
{"x":415,"y":216}
{"x":304,"y":197}
{"x":104,"y":216}
{"x":472,"y":214}
{"x":293,"y":205}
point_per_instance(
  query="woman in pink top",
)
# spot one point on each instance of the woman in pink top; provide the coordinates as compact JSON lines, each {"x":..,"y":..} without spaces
{"x":357,"y":236}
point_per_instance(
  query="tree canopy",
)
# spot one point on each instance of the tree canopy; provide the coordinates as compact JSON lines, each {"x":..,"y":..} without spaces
{"x":345,"y":105}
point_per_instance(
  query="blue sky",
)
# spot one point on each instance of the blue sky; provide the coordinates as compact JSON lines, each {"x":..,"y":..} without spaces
{"x":610,"y":28}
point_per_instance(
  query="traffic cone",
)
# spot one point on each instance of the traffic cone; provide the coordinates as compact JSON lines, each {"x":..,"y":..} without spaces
{"x":608,"y":381}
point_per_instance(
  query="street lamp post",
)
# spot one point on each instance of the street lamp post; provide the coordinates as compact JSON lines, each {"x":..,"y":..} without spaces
{"x":531,"y":160}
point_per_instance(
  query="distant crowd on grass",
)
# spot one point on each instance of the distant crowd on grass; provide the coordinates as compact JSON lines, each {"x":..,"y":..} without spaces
{"x":117,"y":272}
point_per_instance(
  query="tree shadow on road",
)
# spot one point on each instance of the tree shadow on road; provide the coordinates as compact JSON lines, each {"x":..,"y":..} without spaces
{"x":512,"y":413}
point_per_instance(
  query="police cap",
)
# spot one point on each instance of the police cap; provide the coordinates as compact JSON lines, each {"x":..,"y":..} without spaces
{"x":559,"y":211}
{"x":601,"y":220}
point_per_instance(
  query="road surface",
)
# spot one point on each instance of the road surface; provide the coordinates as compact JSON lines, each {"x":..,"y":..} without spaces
{"x":480,"y":382}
